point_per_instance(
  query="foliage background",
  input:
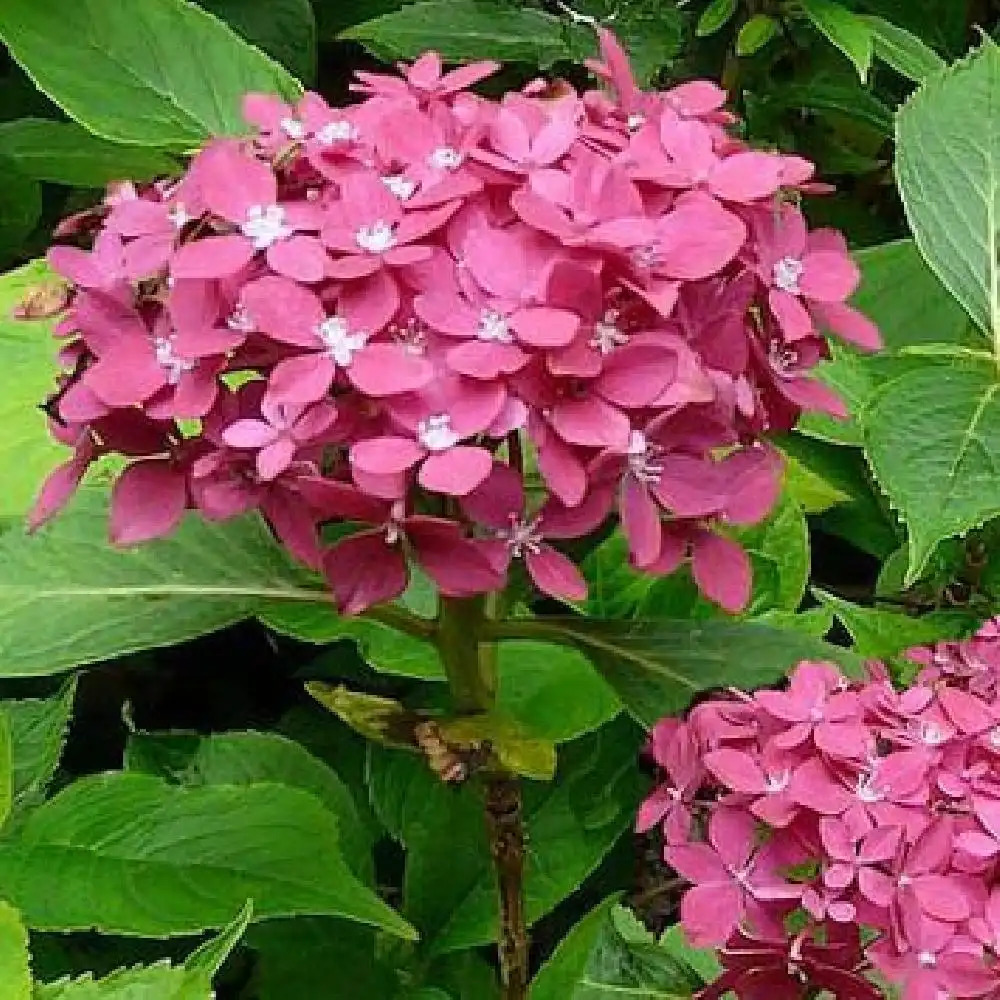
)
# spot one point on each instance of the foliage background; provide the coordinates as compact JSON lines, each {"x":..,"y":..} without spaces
{"x":192,"y":709}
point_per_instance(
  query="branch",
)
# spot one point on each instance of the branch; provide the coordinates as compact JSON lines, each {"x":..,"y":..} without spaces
{"x":395,"y":617}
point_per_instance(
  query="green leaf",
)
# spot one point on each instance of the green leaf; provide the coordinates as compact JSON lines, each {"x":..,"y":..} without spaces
{"x":933,"y":440}
{"x":27,"y":355}
{"x":755,"y":34}
{"x":466,"y":30}
{"x":704,"y":961}
{"x":20,"y":210}
{"x":609,"y":954}
{"x":248,"y":758}
{"x":941,"y":23}
{"x":450,"y":891}
{"x":15,"y":968}
{"x":651,"y":31}
{"x":948,"y":171}
{"x":881,"y":634}
{"x":6,"y":767}
{"x":715,"y":17}
{"x":809,"y":489}
{"x":38,"y":734}
{"x":161,"y":860}
{"x":836,"y":97}
{"x":108,"y":601}
{"x":554,"y":693}
{"x":161,"y":73}
{"x":284,"y":29}
{"x":516,"y":751}
{"x":657,"y":667}
{"x":66,"y":153}
{"x":903,"y":50}
{"x":614,"y":589}
{"x":845,"y":30}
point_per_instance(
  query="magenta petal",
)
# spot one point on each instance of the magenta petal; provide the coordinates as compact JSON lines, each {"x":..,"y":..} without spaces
{"x":126,"y":375}
{"x":745,"y":177}
{"x":640,"y":519}
{"x":563,"y":472}
{"x":543,"y":327}
{"x":364,"y":570}
{"x":721,"y":570}
{"x":148,"y":501}
{"x":849,"y":324}
{"x":455,"y":472}
{"x":737,"y":770}
{"x":556,"y":575}
{"x":304,"y":379}
{"x":389,"y":369}
{"x":709,"y":913}
{"x":275,"y":458}
{"x":248,"y":433}
{"x":791,"y":314}
{"x":354,"y":266}
{"x":284,"y":310}
{"x":699,"y":237}
{"x":457,"y":565}
{"x":497,"y":499}
{"x":386,"y":455}
{"x":59,"y":487}
{"x":212,"y":257}
{"x":300,"y":257}
{"x":591,"y":422}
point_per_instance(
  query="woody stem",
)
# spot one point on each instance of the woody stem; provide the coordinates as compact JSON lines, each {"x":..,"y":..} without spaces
{"x":470,"y":664}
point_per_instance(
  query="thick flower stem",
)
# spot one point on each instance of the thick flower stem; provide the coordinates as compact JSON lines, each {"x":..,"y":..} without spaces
{"x":470,"y":664}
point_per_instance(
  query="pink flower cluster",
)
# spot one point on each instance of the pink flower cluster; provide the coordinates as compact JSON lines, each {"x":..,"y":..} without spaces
{"x":471,"y":327}
{"x":840,"y":832}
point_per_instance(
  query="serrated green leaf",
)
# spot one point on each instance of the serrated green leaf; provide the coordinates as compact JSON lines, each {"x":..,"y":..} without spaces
{"x":657,"y":667}
{"x":715,"y":17}
{"x":15,"y":968}
{"x":755,"y":34}
{"x":933,"y":440}
{"x":161,"y":73}
{"x":68,"y":597}
{"x":902,"y":50}
{"x":467,"y":30}
{"x":161,"y":860}
{"x":948,"y":171}
{"x":845,"y":30}
{"x":66,"y":153}
{"x":249,"y":758}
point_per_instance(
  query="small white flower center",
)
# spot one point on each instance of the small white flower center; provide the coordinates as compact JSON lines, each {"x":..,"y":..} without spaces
{"x":446,"y":158}
{"x":607,"y":334}
{"x":376,"y":238}
{"x":239,"y":319}
{"x":493,"y":327}
{"x":293,"y":128}
{"x":178,"y":216}
{"x":522,"y":536}
{"x":341,"y":344}
{"x":435,"y":433}
{"x":394,"y":526}
{"x":635,"y":121}
{"x":787,"y":272}
{"x":642,"y":459}
{"x":401,"y":186}
{"x":646,"y":258}
{"x":866,"y":790}
{"x":265,"y":225}
{"x":816,"y":713}
{"x":174,"y":366}
{"x":995,"y":737}
{"x":927,"y":960}
{"x":339,"y":131}
{"x":778,"y":782}
{"x":783,"y":359}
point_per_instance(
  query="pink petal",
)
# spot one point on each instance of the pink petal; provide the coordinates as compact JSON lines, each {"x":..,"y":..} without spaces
{"x":709,"y":913}
{"x":746,"y":177}
{"x":556,"y":575}
{"x":148,"y":501}
{"x":249,"y":434}
{"x":640,"y":519}
{"x":212,"y":257}
{"x":828,"y":277}
{"x":273,"y":459}
{"x":300,"y":257}
{"x":497,"y":499}
{"x":231,"y":181}
{"x":354,"y":266}
{"x":590,"y":422}
{"x":848,"y":324}
{"x":941,"y":898}
{"x":540,"y":326}
{"x":284,"y":310}
{"x":562,"y":471}
{"x":698,"y":238}
{"x":364,"y":570}
{"x":447,"y":313}
{"x":738,"y":771}
{"x":388,"y":370}
{"x":304,"y":379}
{"x":455,"y":472}
{"x":791,"y":314}
{"x":386,"y":455}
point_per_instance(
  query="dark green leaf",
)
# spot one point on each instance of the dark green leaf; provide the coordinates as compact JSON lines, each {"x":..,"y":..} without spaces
{"x":20,"y":209}
{"x":845,"y":30}
{"x":614,"y":589}
{"x":159,"y":73}
{"x":903,"y":51}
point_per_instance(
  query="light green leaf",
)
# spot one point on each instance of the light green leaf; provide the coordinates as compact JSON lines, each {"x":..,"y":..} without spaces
{"x":284,"y":29}
{"x":554,"y":693}
{"x":657,"y":667}
{"x":27,"y":356}
{"x":614,"y":589}
{"x":161,"y":860}
{"x":902,"y":50}
{"x":15,"y":968}
{"x":450,"y":891}
{"x":933,"y":440}
{"x":248,"y":758}
{"x":755,"y":34}
{"x":211,"y":956}
{"x":159,"y":73}
{"x":845,"y":30}
{"x":610,"y":955}
{"x":108,"y":601}
{"x":809,"y":489}
{"x":715,"y":17}
{"x":66,"y":153}
{"x":467,"y":30}
{"x":38,"y":734}
{"x":948,"y":171}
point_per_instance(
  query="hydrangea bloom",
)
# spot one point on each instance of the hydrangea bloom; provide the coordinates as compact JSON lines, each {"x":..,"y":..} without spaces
{"x":839,"y":831}
{"x":369,"y":314}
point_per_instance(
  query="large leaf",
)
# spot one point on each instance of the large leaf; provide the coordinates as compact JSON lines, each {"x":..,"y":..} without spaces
{"x":160,"y":860}
{"x":66,"y":153}
{"x":614,"y":589}
{"x":933,"y":440}
{"x":450,"y":890}
{"x":941,"y":23}
{"x":903,"y":50}
{"x":948,"y":170}
{"x":284,"y":29}
{"x":28,"y":362}
{"x":15,"y":972}
{"x":844,"y":29}
{"x":249,"y":758}
{"x":465,"y":30}
{"x":610,"y":954}
{"x":157,"y":73}
{"x":68,"y":597}
{"x":657,"y":667}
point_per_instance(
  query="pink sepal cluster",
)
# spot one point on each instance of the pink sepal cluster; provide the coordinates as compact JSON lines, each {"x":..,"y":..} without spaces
{"x":839,"y":831}
{"x":475,"y":328}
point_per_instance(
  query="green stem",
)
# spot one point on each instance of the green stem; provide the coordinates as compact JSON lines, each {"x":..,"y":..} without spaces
{"x":459,"y":634}
{"x":402,"y":621}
